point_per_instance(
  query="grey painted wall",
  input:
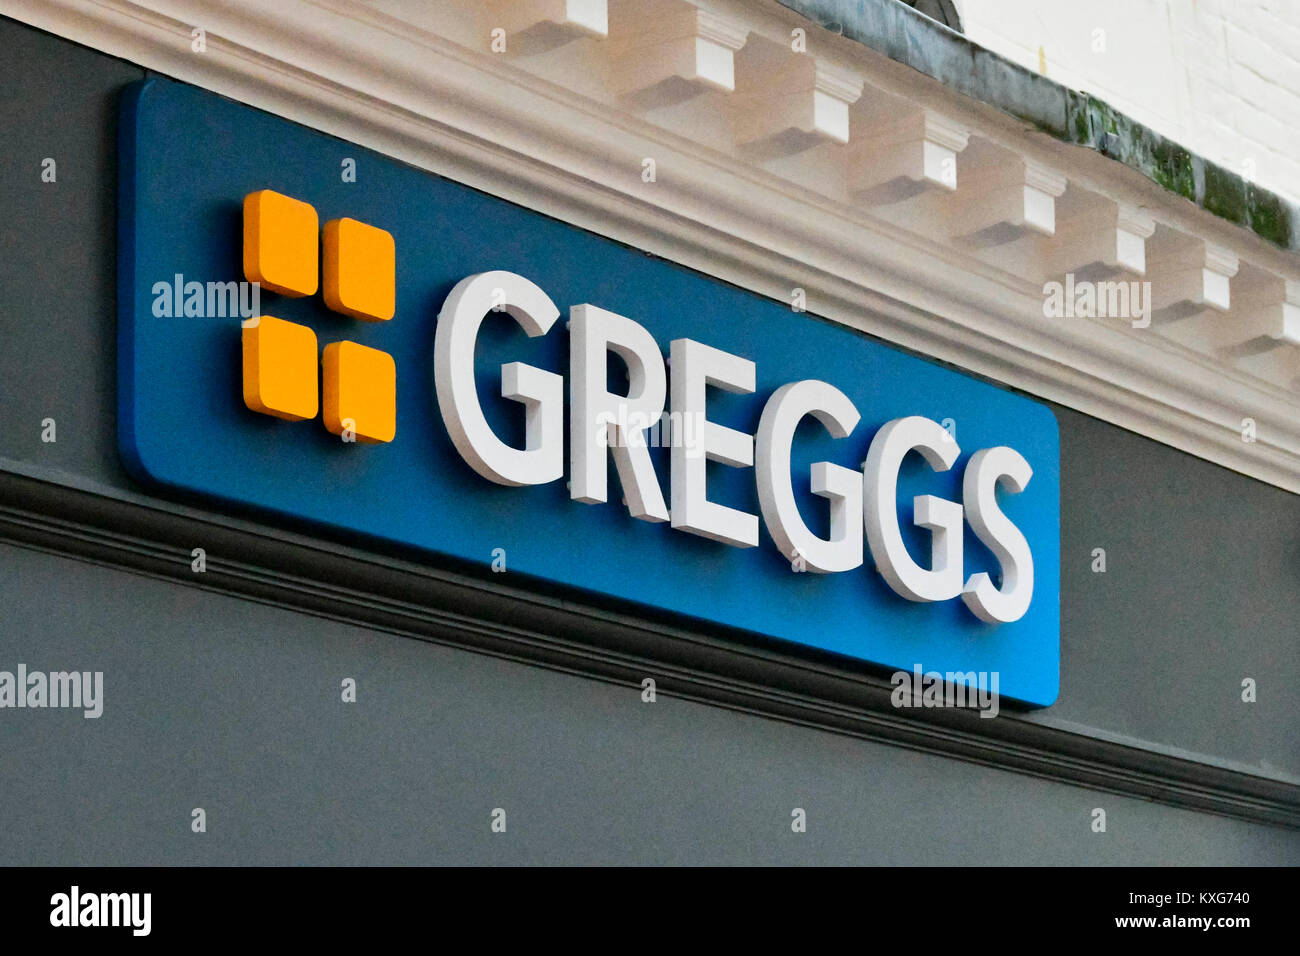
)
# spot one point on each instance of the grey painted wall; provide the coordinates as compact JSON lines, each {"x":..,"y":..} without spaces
{"x":1202,"y":589}
{"x":222,"y":703}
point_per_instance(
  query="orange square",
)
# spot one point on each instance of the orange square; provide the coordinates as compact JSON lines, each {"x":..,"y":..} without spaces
{"x":360,"y":270}
{"x":280,"y":368}
{"x":281,"y":245}
{"x":360,"y":392}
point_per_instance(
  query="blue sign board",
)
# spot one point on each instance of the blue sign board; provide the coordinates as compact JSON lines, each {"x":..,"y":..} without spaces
{"x":189,"y":159}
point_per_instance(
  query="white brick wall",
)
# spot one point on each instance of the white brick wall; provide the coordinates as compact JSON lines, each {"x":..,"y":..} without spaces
{"x":1222,"y":77}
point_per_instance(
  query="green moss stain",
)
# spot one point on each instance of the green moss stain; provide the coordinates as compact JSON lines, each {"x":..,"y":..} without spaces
{"x":1225,"y":194}
{"x":1078,"y":123}
{"x":1170,"y":165}
{"x":1066,"y":115}
{"x":1268,"y":215}
{"x":1082,"y":129}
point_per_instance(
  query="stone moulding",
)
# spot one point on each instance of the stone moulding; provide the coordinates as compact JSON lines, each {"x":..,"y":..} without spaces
{"x":879,"y":239}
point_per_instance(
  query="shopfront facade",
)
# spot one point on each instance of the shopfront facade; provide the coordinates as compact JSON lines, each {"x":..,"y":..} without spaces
{"x":364,"y":583}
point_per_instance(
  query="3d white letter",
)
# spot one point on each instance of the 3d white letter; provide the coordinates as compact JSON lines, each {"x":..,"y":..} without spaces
{"x":540,"y":392}
{"x":944,"y":518}
{"x":978,"y":492}
{"x":787,"y":407}
{"x":695,"y":367}
{"x":599,"y":420}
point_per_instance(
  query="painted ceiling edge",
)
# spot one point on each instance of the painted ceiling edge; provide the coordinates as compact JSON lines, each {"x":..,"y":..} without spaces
{"x":1216,"y":374}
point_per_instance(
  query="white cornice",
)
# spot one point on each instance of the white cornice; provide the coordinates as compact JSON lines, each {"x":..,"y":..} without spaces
{"x":722,"y":30}
{"x":1134,"y":219}
{"x":414,"y":81}
{"x":1038,"y":176}
{"x":944,"y":131}
{"x":842,"y":84}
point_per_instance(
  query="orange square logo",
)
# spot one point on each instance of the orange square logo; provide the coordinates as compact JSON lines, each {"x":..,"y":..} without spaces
{"x":360,"y":391}
{"x":281,"y":251}
{"x":360,"y":270}
{"x":281,"y":248}
{"x":280,"y":368}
